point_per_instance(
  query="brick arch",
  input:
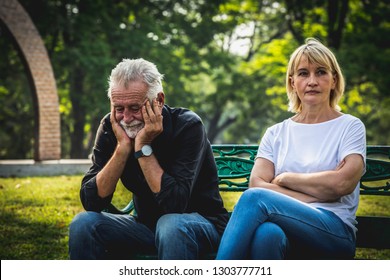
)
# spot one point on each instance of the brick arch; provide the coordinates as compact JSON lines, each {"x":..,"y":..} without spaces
{"x":39,"y":70}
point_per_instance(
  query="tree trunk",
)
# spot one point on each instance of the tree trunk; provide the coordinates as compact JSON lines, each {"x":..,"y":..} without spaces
{"x":78,"y":112}
{"x":337,"y":12}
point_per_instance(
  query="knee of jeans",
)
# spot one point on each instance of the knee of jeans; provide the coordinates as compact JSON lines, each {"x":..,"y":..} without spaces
{"x":271,"y":240}
{"x":252,"y":195}
{"x":272,"y":229}
{"x":171,"y":227}
{"x":82,"y":222}
{"x":273,"y":232}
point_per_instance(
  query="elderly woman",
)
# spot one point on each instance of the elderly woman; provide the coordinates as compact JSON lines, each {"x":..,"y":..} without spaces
{"x":304,"y":186}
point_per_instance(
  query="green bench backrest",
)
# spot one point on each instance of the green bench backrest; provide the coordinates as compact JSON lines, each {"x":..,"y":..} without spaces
{"x":235,"y":163}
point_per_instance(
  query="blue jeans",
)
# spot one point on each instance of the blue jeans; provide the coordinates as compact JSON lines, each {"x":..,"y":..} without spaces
{"x":108,"y":236}
{"x":269,"y":225}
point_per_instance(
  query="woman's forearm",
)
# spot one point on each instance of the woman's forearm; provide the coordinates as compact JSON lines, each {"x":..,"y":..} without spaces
{"x":321,"y":185}
{"x":258,"y":183}
{"x":326,"y":185}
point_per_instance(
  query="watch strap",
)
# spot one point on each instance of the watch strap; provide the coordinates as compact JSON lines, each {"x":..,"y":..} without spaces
{"x":138,"y":154}
{"x":146,"y":150}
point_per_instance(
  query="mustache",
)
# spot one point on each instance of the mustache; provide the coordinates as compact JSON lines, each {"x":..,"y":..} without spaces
{"x":134,"y":123}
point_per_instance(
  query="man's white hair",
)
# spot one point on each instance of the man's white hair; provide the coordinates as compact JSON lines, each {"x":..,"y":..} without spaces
{"x":129,"y":70}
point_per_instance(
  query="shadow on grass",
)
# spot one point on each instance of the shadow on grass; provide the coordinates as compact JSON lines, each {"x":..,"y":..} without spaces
{"x":22,"y":238}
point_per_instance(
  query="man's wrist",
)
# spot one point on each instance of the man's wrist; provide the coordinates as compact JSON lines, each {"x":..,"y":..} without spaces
{"x":138,"y":145}
{"x":145,"y":151}
{"x":124,"y":150}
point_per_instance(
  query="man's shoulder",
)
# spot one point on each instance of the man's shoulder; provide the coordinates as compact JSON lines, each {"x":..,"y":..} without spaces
{"x":106,"y":118}
{"x":105,"y":127}
{"x":105,"y":121}
{"x":184,"y":115}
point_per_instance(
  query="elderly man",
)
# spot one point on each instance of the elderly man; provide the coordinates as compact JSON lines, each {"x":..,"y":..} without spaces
{"x":162,"y":155}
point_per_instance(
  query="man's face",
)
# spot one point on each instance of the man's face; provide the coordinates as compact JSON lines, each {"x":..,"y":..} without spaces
{"x":127,"y":103}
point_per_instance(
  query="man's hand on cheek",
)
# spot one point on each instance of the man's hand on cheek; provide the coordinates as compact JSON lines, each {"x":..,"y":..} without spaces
{"x":119,"y":131}
{"x":153,"y":123}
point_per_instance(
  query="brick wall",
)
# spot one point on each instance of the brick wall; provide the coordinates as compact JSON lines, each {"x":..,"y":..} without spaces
{"x":40,"y":72}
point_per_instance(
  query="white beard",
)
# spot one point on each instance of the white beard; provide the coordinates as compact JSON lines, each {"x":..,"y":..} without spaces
{"x":132,"y":128}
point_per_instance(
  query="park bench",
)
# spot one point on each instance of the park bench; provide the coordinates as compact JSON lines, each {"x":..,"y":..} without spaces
{"x":235,"y":163}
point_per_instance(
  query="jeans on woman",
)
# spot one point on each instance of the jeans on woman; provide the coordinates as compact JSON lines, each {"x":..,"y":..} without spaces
{"x":269,"y":225}
{"x":109,"y":236}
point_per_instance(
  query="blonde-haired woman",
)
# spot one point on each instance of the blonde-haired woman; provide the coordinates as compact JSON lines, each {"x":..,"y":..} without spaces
{"x":304,"y":186}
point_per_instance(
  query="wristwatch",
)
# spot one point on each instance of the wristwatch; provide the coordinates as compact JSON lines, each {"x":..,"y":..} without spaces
{"x":145,"y":151}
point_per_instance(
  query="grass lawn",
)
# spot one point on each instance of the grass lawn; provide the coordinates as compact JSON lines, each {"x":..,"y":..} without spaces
{"x":36,"y":212}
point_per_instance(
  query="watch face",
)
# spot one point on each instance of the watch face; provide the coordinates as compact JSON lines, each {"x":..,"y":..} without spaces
{"x":147,"y":150}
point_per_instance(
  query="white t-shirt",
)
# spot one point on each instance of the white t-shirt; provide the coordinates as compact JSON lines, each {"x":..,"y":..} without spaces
{"x":307,"y":148}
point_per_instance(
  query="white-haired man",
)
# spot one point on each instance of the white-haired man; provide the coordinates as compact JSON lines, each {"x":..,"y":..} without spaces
{"x":162,"y":155}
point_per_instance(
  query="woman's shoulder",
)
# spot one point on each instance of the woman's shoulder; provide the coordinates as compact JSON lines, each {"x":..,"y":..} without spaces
{"x":281,"y":124}
{"x":347,"y":118}
{"x":278,"y":127}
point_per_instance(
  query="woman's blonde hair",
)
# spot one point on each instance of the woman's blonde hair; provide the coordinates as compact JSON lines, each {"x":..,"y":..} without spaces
{"x":318,"y":54}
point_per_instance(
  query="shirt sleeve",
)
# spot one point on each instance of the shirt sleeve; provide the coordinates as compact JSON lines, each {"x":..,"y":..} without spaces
{"x":103,"y":149}
{"x":179,"y":179}
{"x":266,"y":147}
{"x":354,"y":141}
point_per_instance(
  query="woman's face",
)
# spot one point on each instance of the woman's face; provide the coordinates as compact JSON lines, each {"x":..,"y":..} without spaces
{"x":312,"y":83}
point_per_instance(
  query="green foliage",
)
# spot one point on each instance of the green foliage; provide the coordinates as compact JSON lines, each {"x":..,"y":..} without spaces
{"x":223,"y":59}
{"x":365,"y":58}
{"x":16,"y":110}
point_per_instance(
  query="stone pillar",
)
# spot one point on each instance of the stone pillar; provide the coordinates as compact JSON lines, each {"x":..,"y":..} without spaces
{"x":40,"y":72}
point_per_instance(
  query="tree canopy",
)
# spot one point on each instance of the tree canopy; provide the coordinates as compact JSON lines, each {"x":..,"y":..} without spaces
{"x":224,"y":59}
